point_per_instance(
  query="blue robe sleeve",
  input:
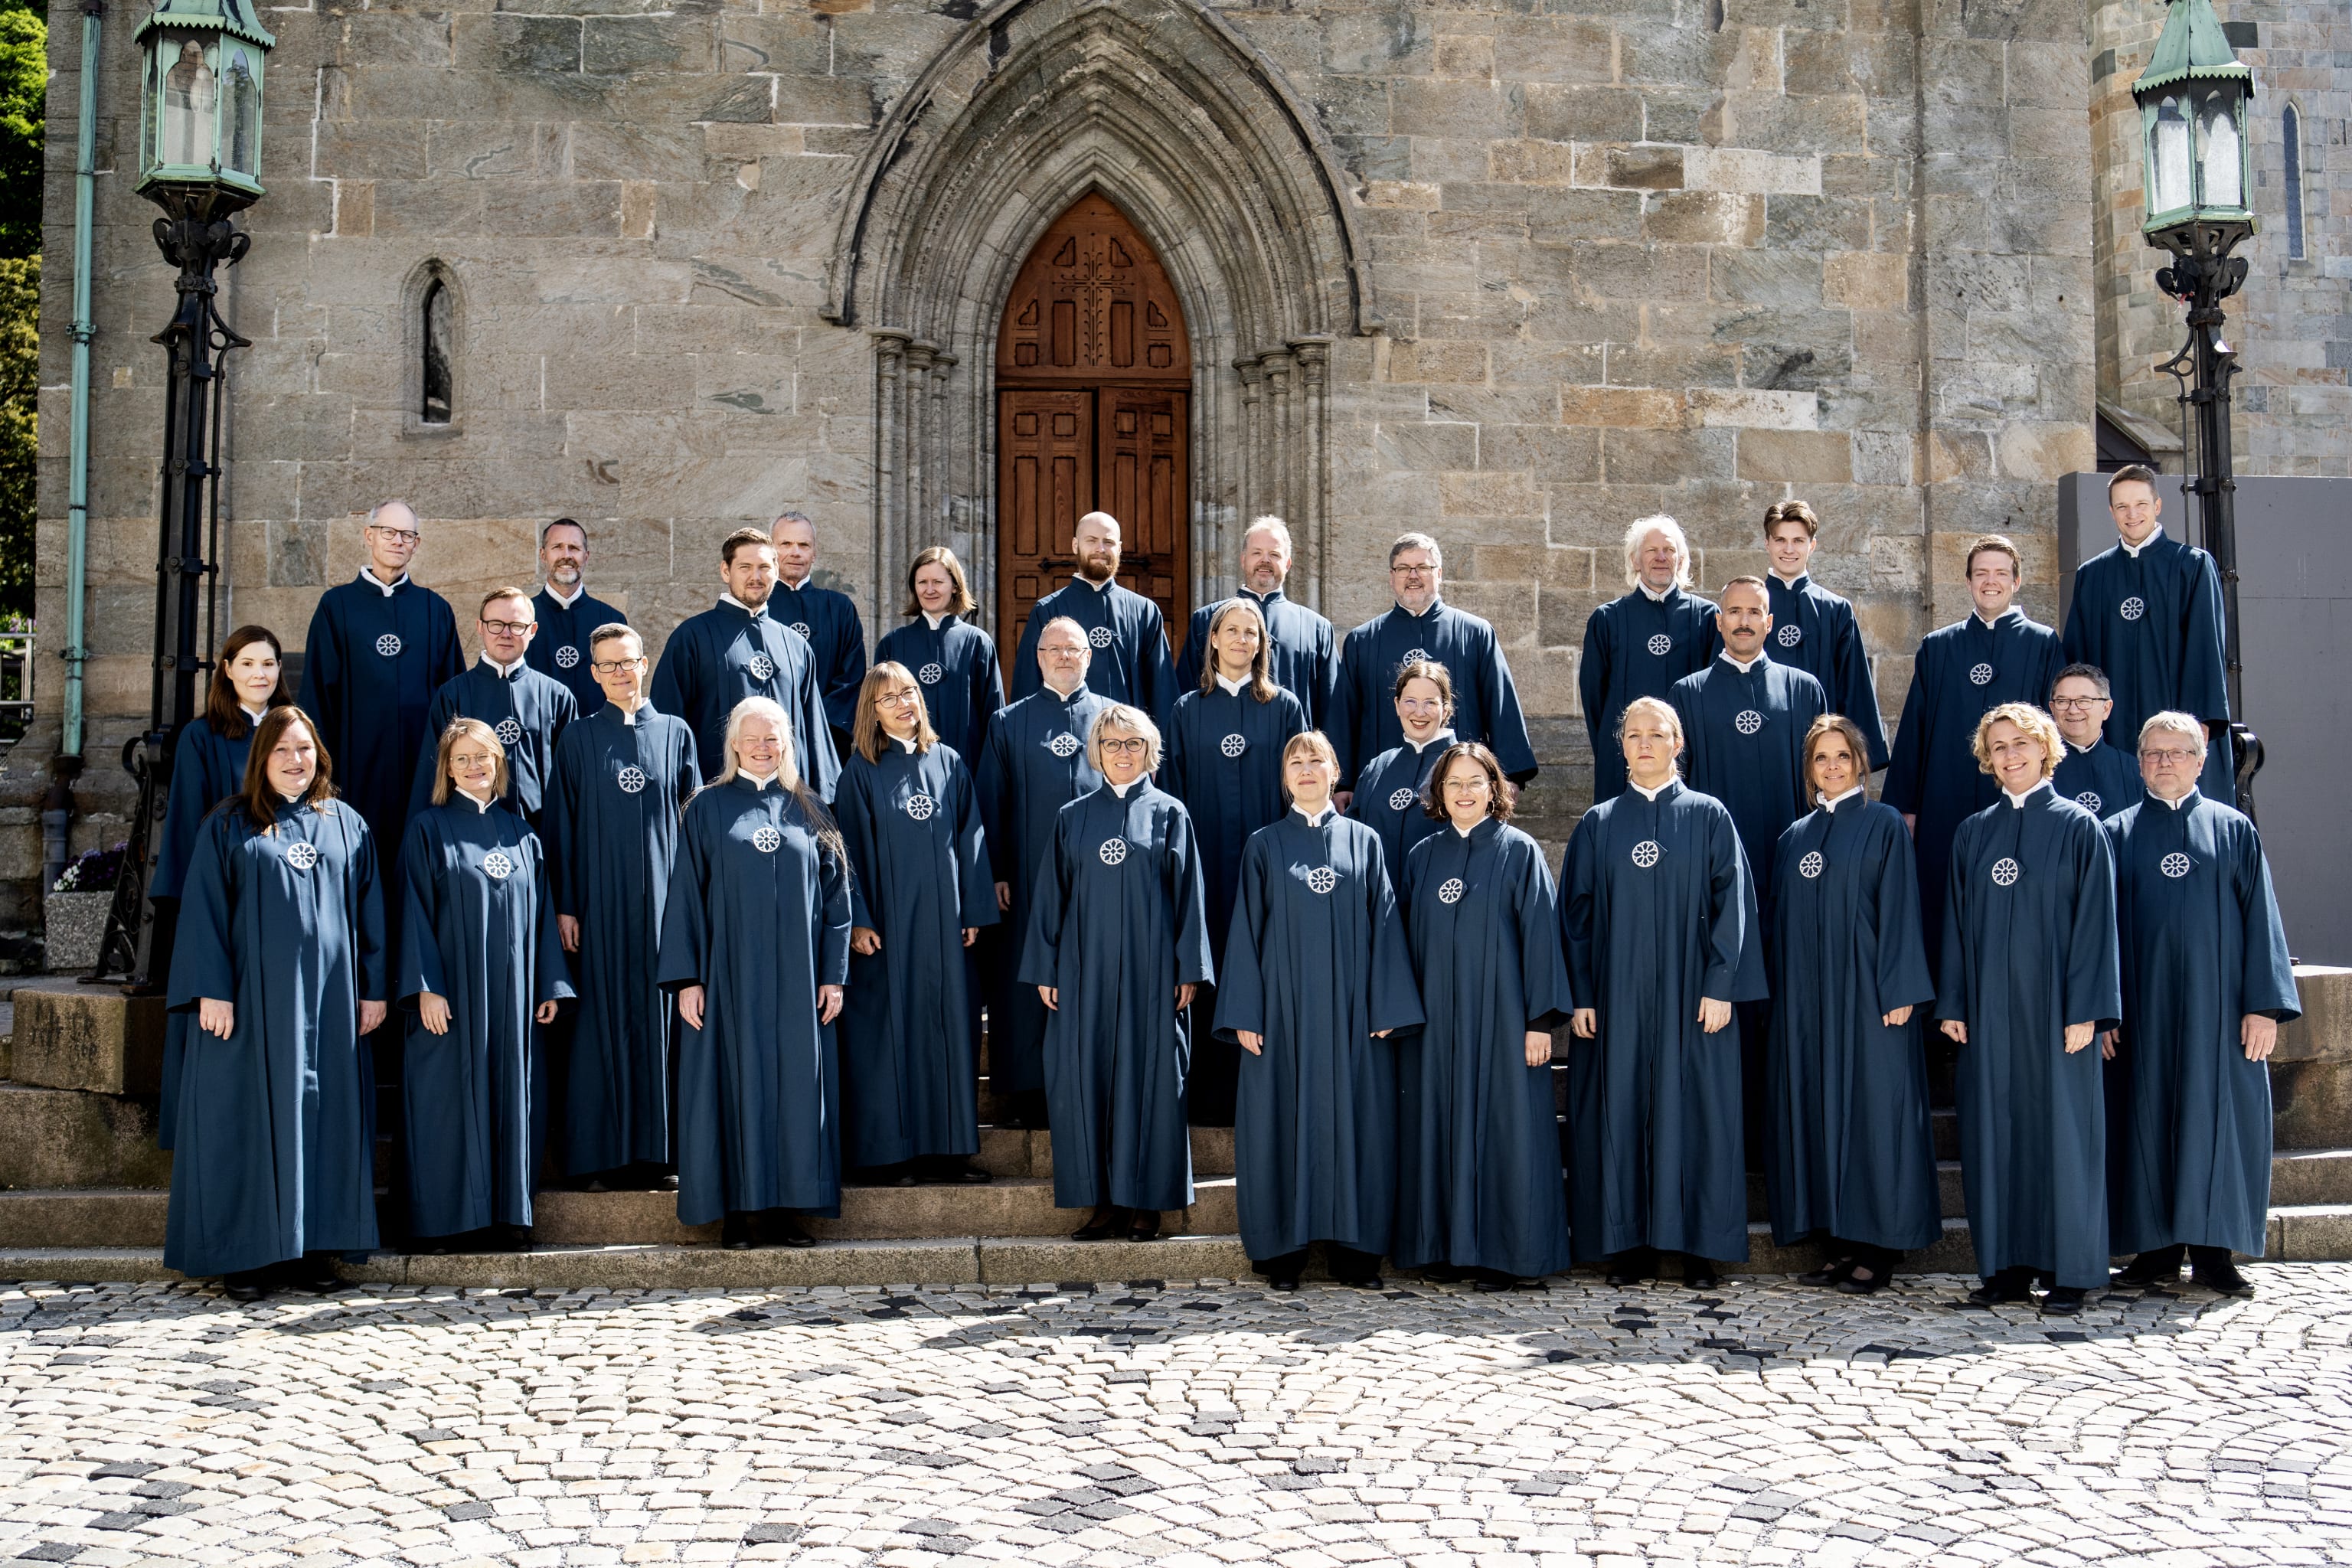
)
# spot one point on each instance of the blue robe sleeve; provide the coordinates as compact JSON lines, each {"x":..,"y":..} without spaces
{"x":972,"y":876}
{"x":2269,"y":985}
{"x":1906,"y":761}
{"x":202,"y":963}
{"x":1592,"y":678}
{"x":369,"y":936}
{"x":436,"y":718}
{"x":848,"y":662}
{"x":1175,"y":753}
{"x":1396,"y":994}
{"x":1902,"y":978}
{"x":2204,"y":683}
{"x":420,"y":892}
{"x":1327,"y":680}
{"x":1240,"y":989}
{"x":689,"y":778}
{"x":2094,"y":973}
{"x":1577,"y":902}
{"x":833,"y":941}
{"x":1188,"y":662}
{"x":1952,"y":990}
{"x":322,"y":670}
{"x":448,"y":661}
{"x":671,"y":691}
{"x":1543,"y":976}
{"x":1191,"y":921}
{"x":1041,"y":952}
{"x":1505,"y":726}
{"x":987,"y":692}
{"x":1157,"y":675}
{"x":560,"y":832}
{"x":1735,"y":957}
{"x":853,"y":812}
{"x":993,"y":788}
{"x":1345,"y":721}
{"x":552,"y":976}
{"x":686,"y":925}
{"x":1026,"y":679}
{"x":822,"y":767}
{"x":184,"y":812}
{"x":1857,"y":695}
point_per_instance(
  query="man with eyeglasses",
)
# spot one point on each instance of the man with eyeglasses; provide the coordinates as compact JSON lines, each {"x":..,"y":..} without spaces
{"x":1362,"y":721}
{"x":2206,"y":984}
{"x":2100,"y":778}
{"x":566,"y":614}
{"x":526,"y":710}
{"x":378,"y":648}
{"x":1301,"y":645}
{"x":826,"y":617}
{"x":623,"y":774}
{"x":2148,"y":611}
{"x":1033,"y":764}
{"x":1124,"y":629}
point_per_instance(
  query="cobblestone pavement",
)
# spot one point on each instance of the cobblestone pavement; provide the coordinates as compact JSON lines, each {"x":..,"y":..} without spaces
{"x":1182,"y":1424}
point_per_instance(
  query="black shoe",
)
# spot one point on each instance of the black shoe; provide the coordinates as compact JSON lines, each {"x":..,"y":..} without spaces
{"x":2157,"y":1266}
{"x":245,"y":1285}
{"x":313,"y":1272}
{"x":1144,"y":1227}
{"x":2222,"y":1278}
{"x":1492,"y":1281}
{"x":735,"y":1231}
{"x":2006,"y":1288}
{"x":1364,"y":1282}
{"x":1285,"y":1283}
{"x":1698,"y":1273}
{"x":1828,"y":1273}
{"x":1441,"y":1273}
{"x":1866,"y":1279}
{"x":2062,"y":1301}
{"x":1100,"y":1227}
{"x":786,"y":1230}
{"x":1632,"y":1266}
{"x":951,"y":1170}
{"x":511,"y":1238}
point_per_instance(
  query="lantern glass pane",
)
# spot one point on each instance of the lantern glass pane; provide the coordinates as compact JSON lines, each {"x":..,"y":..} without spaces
{"x":241,"y":130}
{"x":190,"y":92}
{"x":2225,"y":185}
{"x":2169,"y":159}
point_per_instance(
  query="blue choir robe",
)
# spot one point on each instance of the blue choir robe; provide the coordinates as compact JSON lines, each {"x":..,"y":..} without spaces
{"x":1121,"y":921}
{"x":1362,"y":721}
{"x":477,"y":931}
{"x":1478,"y":1172}
{"x":1130,"y":638}
{"x":955,"y":664}
{"x":829,"y":623}
{"x":1658,"y":912}
{"x":1744,"y":743}
{"x":1852,"y":1151}
{"x":1317,"y":964}
{"x":2189,"y":1117}
{"x":910,"y":1023}
{"x":1815,"y":631}
{"x":561,"y":650}
{"x":2151,"y":621}
{"x":371,"y":666}
{"x":2100,"y":778}
{"x":1304,"y":651}
{"x":207,"y":769}
{"x":1034,"y":765}
{"x":1961,"y":672}
{"x":2028,"y":947}
{"x":1388,"y":797}
{"x":759,"y":918}
{"x":526,"y":710}
{"x":1224,"y":762}
{"x":716,"y":659}
{"x":1635,"y":646}
{"x":276,"y":1151}
{"x":620,"y":782}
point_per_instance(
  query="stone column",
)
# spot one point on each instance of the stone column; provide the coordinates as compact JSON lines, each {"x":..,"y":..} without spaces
{"x":889,"y":451}
{"x":916,"y":525}
{"x":1253,"y":456}
{"x":1281,"y":489}
{"x":1314,"y":480}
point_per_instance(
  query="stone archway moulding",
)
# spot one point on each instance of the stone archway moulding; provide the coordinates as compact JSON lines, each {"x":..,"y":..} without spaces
{"x":1167,"y":111}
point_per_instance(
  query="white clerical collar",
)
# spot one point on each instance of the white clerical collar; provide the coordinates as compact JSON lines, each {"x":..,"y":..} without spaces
{"x":759,"y":781}
{"x":2016,"y":802}
{"x":2176,"y":804}
{"x":1787,"y":582}
{"x":2132,"y":550}
{"x":2081,"y":749}
{"x":1120,"y":789}
{"x":731,"y":599}
{"x":1444,"y":736}
{"x":1102,"y":587}
{"x":629,"y":715}
{"x":1465,"y":832}
{"x":254,"y":714}
{"x":1653,"y":793}
{"x":481,"y":802}
{"x":1989,"y":622}
{"x":1269,"y":596}
{"x":506,"y":671}
{"x":294,"y":799}
{"x":905,"y":743}
{"x":1436,"y":603}
{"x":1732,"y":659}
{"x":1233,"y":688}
{"x":1074,"y":692}
{"x":367,"y":574}
{"x":1831,"y":802}
{"x":935,"y":622}
{"x":1656,"y":595}
{"x":564,"y":600}
{"x":1314,"y":818}
{"x":794,"y":587}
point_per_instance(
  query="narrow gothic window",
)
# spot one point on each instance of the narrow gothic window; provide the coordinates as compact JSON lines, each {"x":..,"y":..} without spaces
{"x":438,"y":351}
{"x":2294,"y":140}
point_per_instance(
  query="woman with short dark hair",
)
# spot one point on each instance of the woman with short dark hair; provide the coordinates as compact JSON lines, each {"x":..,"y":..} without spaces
{"x":1391,"y":793}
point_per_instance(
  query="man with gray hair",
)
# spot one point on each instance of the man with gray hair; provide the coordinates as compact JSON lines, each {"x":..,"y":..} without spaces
{"x":2100,"y":778}
{"x":1362,"y":721}
{"x":825,"y":617}
{"x":1640,"y":643}
{"x":2206,"y":984}
{"x":1304,"y":651}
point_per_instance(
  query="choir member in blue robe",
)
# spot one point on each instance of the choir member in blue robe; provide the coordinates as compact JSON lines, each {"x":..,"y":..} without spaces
{"x":1119,"y":943}
{"x":568,"y":614}
{"x":1036,"y":763}
{"x":1125,"y":629}
{"x":920,"y":891}
{"x":526,"y":710}
{"x":623,"y":774}
{"x":2028,"y":978}
{"x":1391,"y":795}
{"x":2100,"y":778}
{"x":480,"y":964}
{"x":2148,"y":613}
{"x":1640,"y":645}
{"x":1814,"y":629}
{"x":1362,"y":723}
{"x":378,"y":648}
{"x":280,"y":959}
{"x":1306,"y":652}
{"x":208,"y":767}
{"x":735,"y":650}
{"x":1224,"y":762}
{"x":2206,"y":984}
{"x":1852,"y":1155}
{"x":755,"y":942}
{"x":826,"y":617}
{"x":1315,"y":978}
{"x":1658,"y":918}
{"x":954,"y":660}
{"x":1960,"y":673}
{"x":1479,"y":1166}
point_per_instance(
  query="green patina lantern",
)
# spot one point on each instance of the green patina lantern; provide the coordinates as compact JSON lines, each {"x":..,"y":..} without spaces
{"x":200,"y":116}
{"x":2193,"y":99}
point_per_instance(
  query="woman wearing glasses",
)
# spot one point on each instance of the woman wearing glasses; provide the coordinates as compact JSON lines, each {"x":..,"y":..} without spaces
{"x":1117,"y":944}
{"x":1393,"y":786}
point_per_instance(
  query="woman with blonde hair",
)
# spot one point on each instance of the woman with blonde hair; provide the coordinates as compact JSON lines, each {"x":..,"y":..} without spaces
{"x":955,"y":661}
{"x":755,"y":943}
{"x":2029,"y":978}
{"x":1224,"y":762}
{"x":920,"y":890}
{"x":481,"y":967}
{"x":1117,"y":944}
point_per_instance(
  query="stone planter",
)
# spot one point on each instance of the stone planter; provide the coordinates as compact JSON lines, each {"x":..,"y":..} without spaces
{"x":74,"y":921}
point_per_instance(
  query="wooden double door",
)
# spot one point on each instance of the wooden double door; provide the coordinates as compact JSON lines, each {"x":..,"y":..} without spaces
{"x":1094,"y":375}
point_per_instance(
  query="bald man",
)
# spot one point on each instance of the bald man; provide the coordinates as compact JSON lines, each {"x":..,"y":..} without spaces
{"x":1125,"y":631}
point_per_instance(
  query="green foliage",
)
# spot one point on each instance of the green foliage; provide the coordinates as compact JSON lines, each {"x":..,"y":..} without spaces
{"x":24,"y":104}
{"x":20,"y":379}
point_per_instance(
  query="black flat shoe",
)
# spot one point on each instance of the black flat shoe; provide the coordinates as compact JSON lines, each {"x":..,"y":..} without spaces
{"x":735,"y":1233}
{"x":787,"y":1230}
{"x":513,"y":1237}
{"x":312,"y":1274}
{"x":2062,"y":1301}
{"x":1858,"y":1283}
{"x":1699,"y":1276}
{"x":2004,"y":1289}
{"x":1287,"y":1285}
{"x":2223,"y":1280}
{"x":2157,"y":1266}
{"x":1104,"y":1223}
{"x":1492,"y":1281}
{"x":952,"y":1171}
{"x":1144,"y":1227}
{"x":1442,"y":1274}
{"x":1364,"y":1282}
{"x":245,"y":1285}
{"x":1631,"y":1268}
{"x":1828,"y":1273}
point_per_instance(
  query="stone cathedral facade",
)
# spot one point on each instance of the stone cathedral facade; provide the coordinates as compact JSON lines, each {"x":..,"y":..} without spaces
{"x":1514,"y":273}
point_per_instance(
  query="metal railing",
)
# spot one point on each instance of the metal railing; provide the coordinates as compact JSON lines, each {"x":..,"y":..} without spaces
{"x":17,"y":667}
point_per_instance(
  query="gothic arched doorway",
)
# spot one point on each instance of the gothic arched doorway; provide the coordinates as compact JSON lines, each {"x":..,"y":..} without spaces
{"x":1094,"y":375}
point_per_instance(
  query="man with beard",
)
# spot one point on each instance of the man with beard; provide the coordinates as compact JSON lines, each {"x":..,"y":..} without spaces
{"x":1131,"y":662}
{"x":1305,"y":654}
{"x":567,"y":616}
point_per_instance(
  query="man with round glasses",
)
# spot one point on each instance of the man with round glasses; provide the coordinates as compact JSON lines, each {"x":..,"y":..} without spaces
{"x":526,"y":710}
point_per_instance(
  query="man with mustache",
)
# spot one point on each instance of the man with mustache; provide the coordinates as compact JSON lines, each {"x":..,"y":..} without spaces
{"x":1129,"y":638}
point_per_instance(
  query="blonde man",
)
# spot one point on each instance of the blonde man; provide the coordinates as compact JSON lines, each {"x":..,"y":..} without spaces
{"x":526,"y":710}
{"x":1640,"y":643}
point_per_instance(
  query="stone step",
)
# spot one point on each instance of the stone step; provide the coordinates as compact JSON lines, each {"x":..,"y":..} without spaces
{"x":70,"y":1138}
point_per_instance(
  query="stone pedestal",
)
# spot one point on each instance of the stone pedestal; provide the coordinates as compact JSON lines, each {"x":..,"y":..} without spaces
{"x":89,"y":1038}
